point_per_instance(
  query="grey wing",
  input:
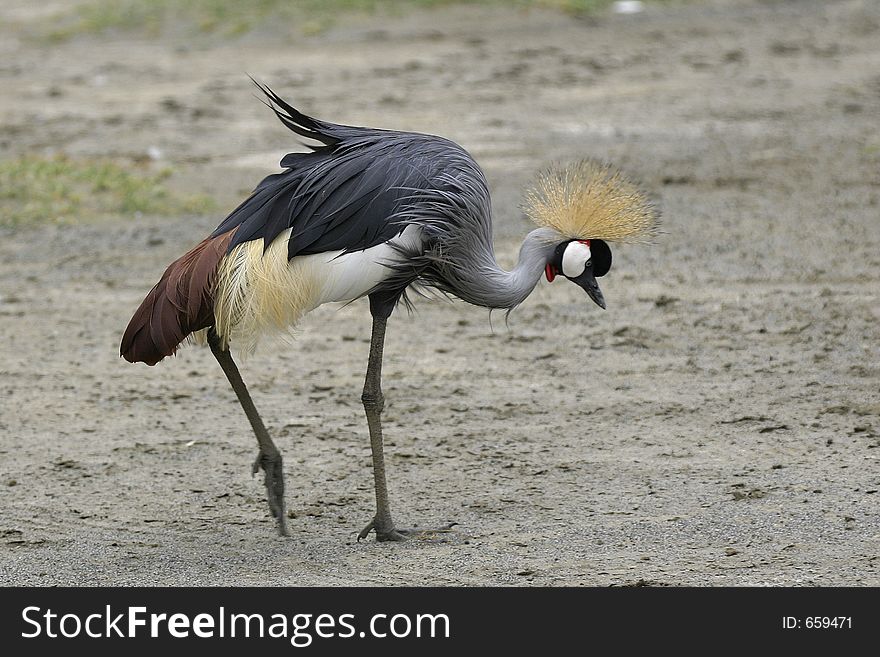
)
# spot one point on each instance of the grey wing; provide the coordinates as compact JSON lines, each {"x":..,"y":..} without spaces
{"x":331,"y":201}
{"x":348,"y":194}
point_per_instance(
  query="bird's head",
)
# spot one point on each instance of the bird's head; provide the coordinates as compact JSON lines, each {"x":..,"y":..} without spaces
{"x":581,"y":262}
{"x":583,"y":206}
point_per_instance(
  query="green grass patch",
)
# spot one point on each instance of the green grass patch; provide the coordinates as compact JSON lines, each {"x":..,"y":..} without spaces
{"x":62,"y":189}
{"x":235,"y":17}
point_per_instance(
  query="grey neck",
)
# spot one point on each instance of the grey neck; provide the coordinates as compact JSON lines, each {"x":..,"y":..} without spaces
{"x":493,"y":287}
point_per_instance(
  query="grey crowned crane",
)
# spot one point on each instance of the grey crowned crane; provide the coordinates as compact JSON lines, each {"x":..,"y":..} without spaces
{"x":368,"y":213}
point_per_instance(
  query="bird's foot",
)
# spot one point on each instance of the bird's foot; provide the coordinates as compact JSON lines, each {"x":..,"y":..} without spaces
{"x":390,"y":533}
{"x":271,"y":465}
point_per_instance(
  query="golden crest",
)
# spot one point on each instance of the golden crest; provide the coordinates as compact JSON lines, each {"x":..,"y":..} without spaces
{"x":588,"y":200}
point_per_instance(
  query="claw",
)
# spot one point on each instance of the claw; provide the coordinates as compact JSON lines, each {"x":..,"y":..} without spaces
{"x":366,"y":530}
{"x":394,"y":534}
{"x":271,"y":464}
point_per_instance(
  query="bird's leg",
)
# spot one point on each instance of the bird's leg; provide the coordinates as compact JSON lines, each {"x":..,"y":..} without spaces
{"x":269,"y":458}
{"x":374,"y":402}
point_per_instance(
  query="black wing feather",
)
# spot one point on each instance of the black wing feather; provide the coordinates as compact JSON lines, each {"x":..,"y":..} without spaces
{"x":348,"y":194}
{"x":298,"y":122}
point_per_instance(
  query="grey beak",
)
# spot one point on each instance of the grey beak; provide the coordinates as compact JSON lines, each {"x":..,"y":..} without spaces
{"x":591,"y":287}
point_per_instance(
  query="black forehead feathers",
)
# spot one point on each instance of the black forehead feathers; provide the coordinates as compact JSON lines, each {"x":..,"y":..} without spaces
{"x":601,"y":256}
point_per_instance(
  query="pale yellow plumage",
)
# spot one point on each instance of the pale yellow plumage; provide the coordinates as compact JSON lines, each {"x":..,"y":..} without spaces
{"x":588,"y":200}
{"x":259,"y":293}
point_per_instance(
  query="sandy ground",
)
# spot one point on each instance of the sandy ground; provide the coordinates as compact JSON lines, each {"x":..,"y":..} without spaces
{"x":719,"y":424}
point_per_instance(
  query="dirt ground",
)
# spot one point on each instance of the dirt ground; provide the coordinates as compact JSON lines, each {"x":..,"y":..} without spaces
{"x":719,"y":424}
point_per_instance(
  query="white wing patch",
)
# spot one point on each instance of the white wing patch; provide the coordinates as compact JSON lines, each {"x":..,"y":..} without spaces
{"x":259,"y":293}
{"x":351,"y":275}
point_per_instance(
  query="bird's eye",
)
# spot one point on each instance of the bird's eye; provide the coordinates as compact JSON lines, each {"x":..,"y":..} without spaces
{"x":589,"y":263}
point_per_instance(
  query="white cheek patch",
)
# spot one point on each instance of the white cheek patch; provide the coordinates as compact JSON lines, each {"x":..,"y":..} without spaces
{"x":574,"y":259}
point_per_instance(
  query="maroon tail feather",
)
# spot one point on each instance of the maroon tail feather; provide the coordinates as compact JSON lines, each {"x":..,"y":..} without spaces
{"x":181,"y":302}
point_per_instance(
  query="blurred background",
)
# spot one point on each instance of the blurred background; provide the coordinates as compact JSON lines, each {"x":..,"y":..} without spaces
{"x":726,"y":411}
